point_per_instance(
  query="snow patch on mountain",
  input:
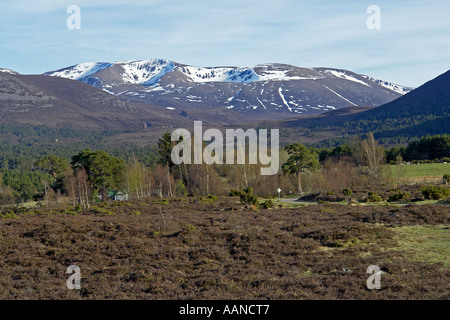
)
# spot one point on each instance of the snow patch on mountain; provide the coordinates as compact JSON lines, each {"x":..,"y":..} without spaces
{"x":110,"y":92}
{"x":344,"y":75}
{"x":269,"y":73}
{"x":340,"y":96}
{"x":239,"y":75}
{"x":8,"y":71}
{"x":389,"y":85}
{"x":280,"y":92}
{"x":219,"y":74}
{"x":242,"y":75}
{"x":81,"y":70}
{"x":261,"y":103}
{"x":235,"y":96}
{"x":199,"y":74}
{"x":145,"y":72}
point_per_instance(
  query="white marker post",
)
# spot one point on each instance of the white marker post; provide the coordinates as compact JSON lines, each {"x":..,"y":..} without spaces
{"x":279,"y":192}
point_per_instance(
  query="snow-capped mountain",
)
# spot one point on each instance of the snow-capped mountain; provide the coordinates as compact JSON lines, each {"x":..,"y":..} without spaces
{"x":264,"y":90}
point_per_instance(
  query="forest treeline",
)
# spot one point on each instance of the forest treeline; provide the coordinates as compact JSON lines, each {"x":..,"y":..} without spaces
{"x":88,"y":176}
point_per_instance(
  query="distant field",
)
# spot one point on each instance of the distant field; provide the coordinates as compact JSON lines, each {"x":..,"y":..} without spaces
{"x":427,"y":172}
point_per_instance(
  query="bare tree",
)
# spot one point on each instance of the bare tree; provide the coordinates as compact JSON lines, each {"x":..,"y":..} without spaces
{"x":358,"y":152}
{"x":69,"y":182}
{"x":82,"y":188}
{"x":375,"y":157}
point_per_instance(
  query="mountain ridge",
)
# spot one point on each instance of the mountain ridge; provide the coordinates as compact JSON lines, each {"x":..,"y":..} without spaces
{"x":224,"y":73}
{"x":260,"y":91}
{"x":65,"y":103}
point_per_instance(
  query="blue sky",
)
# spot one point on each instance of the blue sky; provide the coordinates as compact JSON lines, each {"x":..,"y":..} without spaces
{"x":412,"y":46}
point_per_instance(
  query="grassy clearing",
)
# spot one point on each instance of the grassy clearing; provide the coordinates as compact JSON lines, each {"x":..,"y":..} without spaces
{"x":291,"y":204}
{"x":292,"y":196}
{"x":426,"y":170}
{"x":441,"y":202}
{"x":426,"y":243}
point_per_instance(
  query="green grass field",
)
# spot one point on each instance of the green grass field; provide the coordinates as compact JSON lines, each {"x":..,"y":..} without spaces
{"x":421,"y":171}
{"x":426,"y":243}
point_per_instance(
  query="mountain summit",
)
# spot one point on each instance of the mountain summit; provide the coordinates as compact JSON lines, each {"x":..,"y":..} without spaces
{"x":263,"y":91}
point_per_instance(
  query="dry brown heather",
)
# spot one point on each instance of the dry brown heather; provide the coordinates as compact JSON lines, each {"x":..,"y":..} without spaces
{"x":191,"y":250}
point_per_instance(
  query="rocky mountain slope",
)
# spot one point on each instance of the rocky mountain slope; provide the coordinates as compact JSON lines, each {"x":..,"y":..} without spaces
{"x":62,"y":103}
{"x":421,"y":112}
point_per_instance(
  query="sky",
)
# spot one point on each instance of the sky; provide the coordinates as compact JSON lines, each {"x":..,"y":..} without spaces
{"x":411,"y":45}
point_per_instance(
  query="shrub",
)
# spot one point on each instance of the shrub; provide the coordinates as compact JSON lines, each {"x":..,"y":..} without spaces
{"x":162,"y":201}
{"x":347,"y":192}
{"x":234,"y":193}
{"x":446,"y":179}
{"x":399,"y":196}
{"x":135,"y":213}
{"x":99,"y":210}
{"x":181,"y":189}
{"x":329,"y":193}
{"x":247,"y":198}
{"x":9,"y":215}
{"x":208,"y":199}
{"x":19,"y":210}
{"x":374,"y":197}
{"x":434,"y":192}
{"x":267,"y":204}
